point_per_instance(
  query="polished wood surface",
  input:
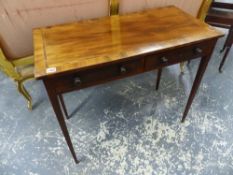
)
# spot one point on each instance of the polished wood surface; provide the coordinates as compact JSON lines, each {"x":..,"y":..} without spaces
{"x":19,"y":17}
{"x":94,"y":42}
{"x":97,"y":51}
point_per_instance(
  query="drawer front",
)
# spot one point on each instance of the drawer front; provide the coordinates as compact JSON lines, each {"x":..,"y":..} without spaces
{"x":176,"y":56}
{"x":98,"y":75}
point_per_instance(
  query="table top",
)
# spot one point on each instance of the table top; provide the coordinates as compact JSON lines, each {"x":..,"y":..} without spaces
{"x":77,"y":46}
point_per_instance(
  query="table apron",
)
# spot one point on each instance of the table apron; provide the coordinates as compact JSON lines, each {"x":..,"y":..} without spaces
{"x":140,"y":64}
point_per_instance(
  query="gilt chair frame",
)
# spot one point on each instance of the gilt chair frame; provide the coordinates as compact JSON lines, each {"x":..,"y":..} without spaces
{"x":9,"y":68}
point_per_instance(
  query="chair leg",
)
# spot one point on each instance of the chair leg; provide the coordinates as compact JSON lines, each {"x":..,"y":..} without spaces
{"x":158,"y":78}
{"x":229,"y":39}
{"x":224,"y":59}
{"x":222,"y":50}
{"x":25,"y":93}
{"x":63,"y":105}
{"x":182,"y":67}
{"x":225,"y":44}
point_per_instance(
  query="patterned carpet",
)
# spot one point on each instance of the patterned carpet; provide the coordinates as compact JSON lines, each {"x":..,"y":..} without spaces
{"x":124,"y":127}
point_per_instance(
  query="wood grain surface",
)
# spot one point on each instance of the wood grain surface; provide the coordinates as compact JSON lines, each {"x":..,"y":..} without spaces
{"x":81,"y":45}
{"x":18,"y":18}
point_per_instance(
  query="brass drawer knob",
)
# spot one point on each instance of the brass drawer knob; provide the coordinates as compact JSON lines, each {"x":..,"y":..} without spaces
{"x":77,"y":81}
{"x":123,"y":69}
{"x":164,"y":60}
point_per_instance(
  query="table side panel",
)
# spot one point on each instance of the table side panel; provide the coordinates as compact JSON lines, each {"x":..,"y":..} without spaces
{"x":106,"y":73}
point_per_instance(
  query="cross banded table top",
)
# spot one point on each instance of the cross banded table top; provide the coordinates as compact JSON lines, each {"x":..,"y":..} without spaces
{"x":70,"y":47}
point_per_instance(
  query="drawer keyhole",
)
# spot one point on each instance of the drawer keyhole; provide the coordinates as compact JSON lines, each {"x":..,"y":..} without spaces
{"x":164,"y":59}
{"x":77,"y":81}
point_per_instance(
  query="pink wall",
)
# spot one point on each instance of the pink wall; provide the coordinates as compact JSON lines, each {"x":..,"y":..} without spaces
{"x":19,"y":17}
{"x":190,"y":6}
